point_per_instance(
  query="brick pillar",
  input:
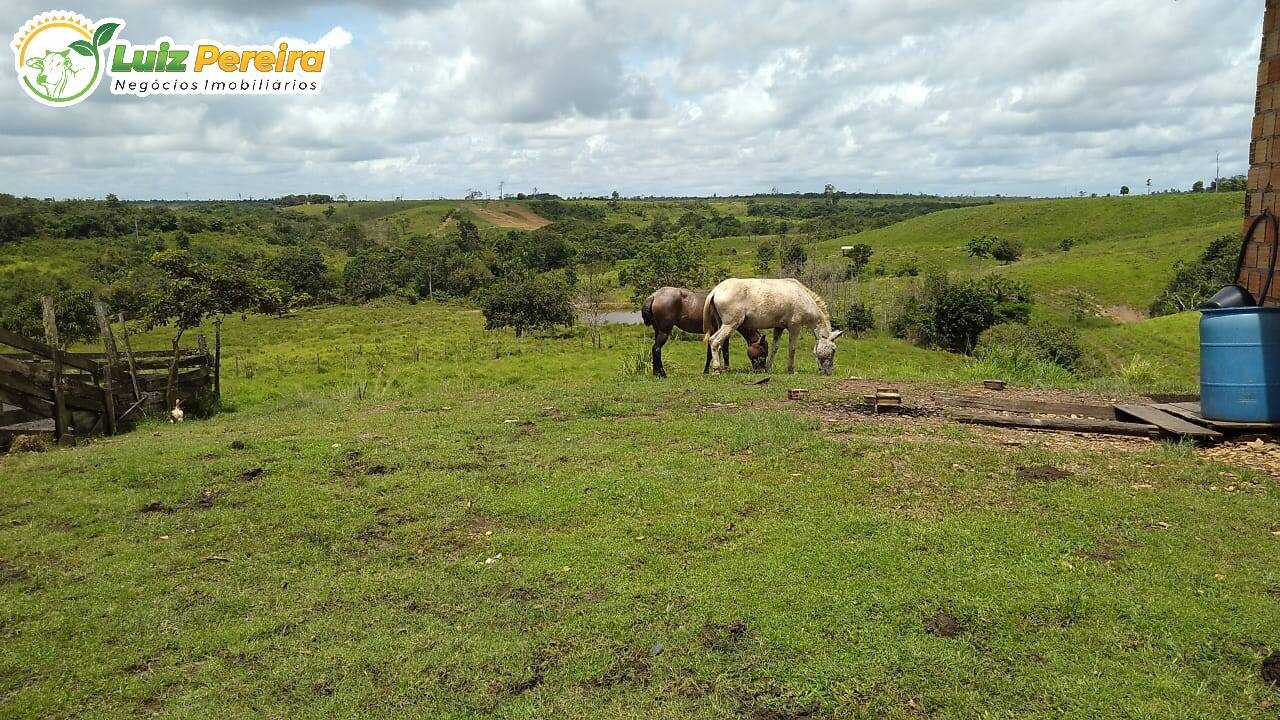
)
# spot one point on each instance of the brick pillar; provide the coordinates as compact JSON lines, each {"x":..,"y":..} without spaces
{"x":1263,"y":191}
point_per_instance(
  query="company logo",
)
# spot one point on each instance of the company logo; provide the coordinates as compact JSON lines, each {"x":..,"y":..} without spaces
{"x":61,"y":57}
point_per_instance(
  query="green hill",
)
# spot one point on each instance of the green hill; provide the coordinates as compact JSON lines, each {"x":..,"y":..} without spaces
{"x":1163,"y":351}
{"x":1122,"y":249}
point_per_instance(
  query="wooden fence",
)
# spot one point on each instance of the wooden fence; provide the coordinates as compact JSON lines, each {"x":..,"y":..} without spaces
{"x":45,"y":389}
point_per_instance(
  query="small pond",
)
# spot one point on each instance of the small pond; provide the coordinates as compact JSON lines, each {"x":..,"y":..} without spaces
{"x":621,"y":317}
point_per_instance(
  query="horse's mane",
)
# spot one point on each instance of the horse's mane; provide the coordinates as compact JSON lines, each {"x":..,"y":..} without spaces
{"x":817,"y":299}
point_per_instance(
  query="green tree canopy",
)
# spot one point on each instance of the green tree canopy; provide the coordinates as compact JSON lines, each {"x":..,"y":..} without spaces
{"x":677,"y":260}
{"x":527,"y":302}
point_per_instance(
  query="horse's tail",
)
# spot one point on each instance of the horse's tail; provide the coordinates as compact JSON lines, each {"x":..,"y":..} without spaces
{"x":710,"y":318}
{"x":646,"y":311}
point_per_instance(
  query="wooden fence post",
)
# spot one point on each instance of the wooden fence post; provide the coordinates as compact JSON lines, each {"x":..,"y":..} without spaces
{"x":109,"y":346}
{"x":128,"y":353}
{"x":61,"y":423}
{"x":217,"y":359}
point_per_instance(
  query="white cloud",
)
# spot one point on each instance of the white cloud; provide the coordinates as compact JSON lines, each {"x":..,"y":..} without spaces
{"x":1043,"y":97}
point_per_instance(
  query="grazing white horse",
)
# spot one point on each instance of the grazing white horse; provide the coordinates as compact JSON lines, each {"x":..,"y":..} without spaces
{"x":756,"y":304}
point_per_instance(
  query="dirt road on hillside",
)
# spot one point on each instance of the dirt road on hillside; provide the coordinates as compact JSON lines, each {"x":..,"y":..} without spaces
{"x":508,"y":215}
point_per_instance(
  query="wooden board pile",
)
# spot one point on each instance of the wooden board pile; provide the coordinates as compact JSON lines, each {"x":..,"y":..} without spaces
{"x":1178,"y":421}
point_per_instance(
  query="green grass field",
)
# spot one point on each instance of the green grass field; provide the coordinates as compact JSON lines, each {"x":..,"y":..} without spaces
{"x":400,"y":515}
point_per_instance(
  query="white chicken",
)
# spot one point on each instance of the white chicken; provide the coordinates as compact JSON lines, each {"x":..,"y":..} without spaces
{"x":176,"y":415}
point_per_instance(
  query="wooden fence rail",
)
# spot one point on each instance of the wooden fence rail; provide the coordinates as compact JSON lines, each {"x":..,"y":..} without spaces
{"x":44,"y":388}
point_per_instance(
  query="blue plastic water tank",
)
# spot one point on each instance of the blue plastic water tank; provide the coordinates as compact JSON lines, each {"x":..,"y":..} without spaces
{"x":1240,"y":364}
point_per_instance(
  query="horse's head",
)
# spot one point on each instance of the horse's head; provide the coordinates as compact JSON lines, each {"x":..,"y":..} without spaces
{"x":757,"y":351}
{"x":825,"y":352}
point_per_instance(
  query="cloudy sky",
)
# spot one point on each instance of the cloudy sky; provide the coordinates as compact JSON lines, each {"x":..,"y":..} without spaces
{"x":427,"y":99}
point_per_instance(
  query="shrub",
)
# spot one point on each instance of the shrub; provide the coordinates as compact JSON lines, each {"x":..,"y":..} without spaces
{"x":766,"y":252}
{"x":1012,"y":298}
{"x":952,"y":315}
{"x":371,"y":274}
{"x":793,"y":255}
{"x":1195,"y":282}
{"x":858,"y":319}
{"x":1006,"y":251}
{"x":526,"y":303}
{"x":1139,"y":371}
{"x":1036,"y":341}
{"x":981,"y":246}
{"x":859,"y":256}
{"x":960,"y":313}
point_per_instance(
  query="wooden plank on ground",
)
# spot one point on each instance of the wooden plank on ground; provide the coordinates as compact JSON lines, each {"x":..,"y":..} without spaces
{"x":1035,"y":407}
{"x":1169,"y":423}
{"x":1191,"y":411}
{"x":1036,"y":422}
{"x":1182,"y":411}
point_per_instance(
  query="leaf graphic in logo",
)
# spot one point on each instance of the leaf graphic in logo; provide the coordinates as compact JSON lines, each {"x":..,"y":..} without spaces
{"x":82,"y":47}
{"x":103,"y":34}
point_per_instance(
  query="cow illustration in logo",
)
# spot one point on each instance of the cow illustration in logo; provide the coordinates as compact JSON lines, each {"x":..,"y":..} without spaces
{"x":59,"y":56}
{"x":56,"y":70}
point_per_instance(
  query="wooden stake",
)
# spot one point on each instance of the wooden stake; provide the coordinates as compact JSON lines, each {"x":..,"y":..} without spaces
{"x":128,"y":353}
{"x":61,"y":421}
{"x":108,"y":381}
{"x":217,"y":358}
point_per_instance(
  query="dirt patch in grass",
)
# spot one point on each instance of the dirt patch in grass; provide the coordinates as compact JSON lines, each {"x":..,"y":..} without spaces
{"x":773,"y":703}
{"x":206,"y":500}
{"x":507,"y":215}
{"x":519,"y":593}
{"x":1043,"y":473}
{"x":1271,"y":669}
{"x":632,"y":667}
{"x":543,"y":660}
{"x":356,"y":465}
{"x":1122,"y":314}
{"x":155,"y":506}
{"x":723,"y":638}
{"x":249,"y":475}
{"x":10,"y":573}
{"x":479,"y":526}
{"x":1100,"y":554}
{"x":943,"y":625}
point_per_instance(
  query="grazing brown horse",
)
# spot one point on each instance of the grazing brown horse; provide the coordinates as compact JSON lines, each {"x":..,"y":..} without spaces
{"x":671,"y":307}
